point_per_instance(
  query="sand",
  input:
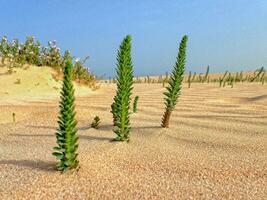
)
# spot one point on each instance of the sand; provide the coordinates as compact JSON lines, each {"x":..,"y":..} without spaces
{"x":216,"y":147}
{"x":32,"y":83}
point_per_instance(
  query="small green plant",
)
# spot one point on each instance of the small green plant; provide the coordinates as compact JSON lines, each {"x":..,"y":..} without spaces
{"x":95,"y":123}
{"x":124,"y":91}
{"x":18,"y":81}
{"x":206,"y":75}
{"x":189,"y":79}
{"x":232,"y":82}
{"x":194,"y":76}
{"x":199,"y":78}
{"x":135,"y":104}
{"x":14,"y":117}
{"x":262,"y":78}
{"x":257,"y":74}
{"x":220,"y":81}
{"x":66,"y":135}
{"x":175,"y":83}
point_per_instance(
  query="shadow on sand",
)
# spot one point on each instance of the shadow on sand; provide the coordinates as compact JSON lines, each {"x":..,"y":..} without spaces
{"x":47,"y":166}
{"x":51,"y":135}
{"x":105,"y":127}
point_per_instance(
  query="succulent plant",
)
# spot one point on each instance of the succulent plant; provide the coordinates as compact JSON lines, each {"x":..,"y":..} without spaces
{"x":95,"y":123}
{"x":122,"y":98}
{"x":175,"y":83}
{"x":66,"y":135}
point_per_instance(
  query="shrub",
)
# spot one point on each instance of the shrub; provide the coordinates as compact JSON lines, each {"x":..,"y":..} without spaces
{"x":66,"y":135}
{"x":33,"y":53}
{"x":175,"y":83}
{"x":4,"y":49}
{"x":135,"y":104}
{"x":95,"y":123}
{"x":124,"y":91}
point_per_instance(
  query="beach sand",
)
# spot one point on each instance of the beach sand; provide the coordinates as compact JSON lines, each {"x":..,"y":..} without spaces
{"x":215,"y":148}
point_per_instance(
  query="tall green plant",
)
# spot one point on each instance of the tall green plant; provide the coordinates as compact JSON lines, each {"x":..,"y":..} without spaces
{"x":67,"y":138}
{"x":124,"y":91}
{"x":175,"y":83}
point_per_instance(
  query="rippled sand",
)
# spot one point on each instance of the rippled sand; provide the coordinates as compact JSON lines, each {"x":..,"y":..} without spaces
{"x":216,"y":147}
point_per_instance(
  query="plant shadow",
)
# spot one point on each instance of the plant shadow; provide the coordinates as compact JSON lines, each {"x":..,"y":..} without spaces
{"x":86,"y":137}
{"x":47,"y":166}
{"x":105,"y":127}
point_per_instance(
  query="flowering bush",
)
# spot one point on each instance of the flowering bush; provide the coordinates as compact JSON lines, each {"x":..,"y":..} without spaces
{"x":4,"y":49}
{"x":32,"y":52}
{"x":51,"y":56}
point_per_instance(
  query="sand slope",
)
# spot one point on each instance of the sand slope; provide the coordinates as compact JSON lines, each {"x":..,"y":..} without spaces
{"x":31,"y":83}
{"x":216,"y":148}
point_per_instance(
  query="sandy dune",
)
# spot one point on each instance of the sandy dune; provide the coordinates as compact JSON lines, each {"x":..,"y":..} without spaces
{"x":216,"y":147}
{"x":30,"y":83}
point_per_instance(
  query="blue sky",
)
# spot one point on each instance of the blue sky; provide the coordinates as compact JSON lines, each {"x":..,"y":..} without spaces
{"x":227,"y":35}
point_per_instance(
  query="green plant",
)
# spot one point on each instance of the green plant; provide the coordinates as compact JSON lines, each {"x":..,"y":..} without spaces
{"x":262,"y":78}
{"x":257,"y":74}
{"x":66,"y":135}
{"x":32,"y":52}
{"x":189,"y":79}
{"x":4,"y":49}
{"x":220,"y":81}
{"x":135,"y":104}
{"x":232,"y":82}
{"x":194,"y":76}
{"x":95,"y":123}
{"x":241,"y":76}
{"x":124,"y":91}
{"x":175,"y":83}
{"x":17,"y":81}
{"x":206,"y":75}
{"x":14,"y":117}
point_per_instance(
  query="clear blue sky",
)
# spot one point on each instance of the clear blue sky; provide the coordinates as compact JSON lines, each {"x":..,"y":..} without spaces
{"x":227,"y":35}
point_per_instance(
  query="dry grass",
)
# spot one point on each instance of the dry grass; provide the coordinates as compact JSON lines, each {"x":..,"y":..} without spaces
{"x":216,"y":147}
